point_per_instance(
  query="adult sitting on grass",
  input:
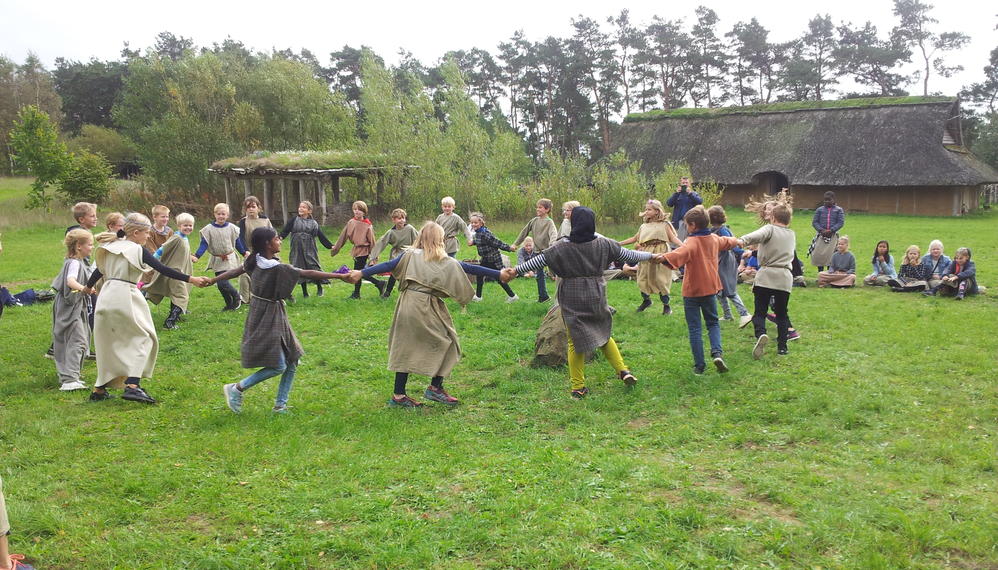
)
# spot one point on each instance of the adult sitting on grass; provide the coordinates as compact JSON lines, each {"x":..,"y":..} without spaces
{"x":580,"y":261}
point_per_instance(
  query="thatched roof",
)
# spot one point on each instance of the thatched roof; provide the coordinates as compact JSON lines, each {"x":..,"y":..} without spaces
{"x":914,"y":142}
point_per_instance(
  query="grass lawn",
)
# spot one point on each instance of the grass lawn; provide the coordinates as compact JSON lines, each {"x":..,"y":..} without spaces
{"x":872,"y":445}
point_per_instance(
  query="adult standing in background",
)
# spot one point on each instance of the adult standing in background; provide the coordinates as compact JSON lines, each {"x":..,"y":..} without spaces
{"x":827,"y":221}
{"x":682,"y":201}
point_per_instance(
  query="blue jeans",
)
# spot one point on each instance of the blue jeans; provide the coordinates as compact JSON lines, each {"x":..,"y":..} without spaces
{"x":693,"y":306}
{"x":542,"y":290}
{"x":287,"y":371}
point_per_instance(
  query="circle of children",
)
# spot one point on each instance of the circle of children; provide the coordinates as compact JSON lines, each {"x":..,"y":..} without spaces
{"x":104,"y":290}
{"x":104,"y":293}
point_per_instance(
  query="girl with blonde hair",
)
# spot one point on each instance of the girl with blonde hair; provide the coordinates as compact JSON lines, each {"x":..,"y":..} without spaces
{"x":304,"y":230}
{"x":422,"y":339}
{"x":654,"y":236}
{"x":124,"y":334}
{"x":70,"y":329}
{"x":912,"y":275}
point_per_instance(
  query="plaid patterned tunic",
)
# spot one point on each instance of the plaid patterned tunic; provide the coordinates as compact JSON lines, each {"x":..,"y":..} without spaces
{"x":488,"y":248}
{"x":582,"y":291}
{"x":268,"y":333}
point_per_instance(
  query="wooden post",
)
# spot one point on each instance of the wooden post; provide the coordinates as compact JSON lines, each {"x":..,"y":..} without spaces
{"x":268,"y":189}
{"x":321,"y":189}
{"x":379,"y":188}
{"x":336,"y":189}
{"x":284,"y":199}
{"x":301,"y":190}
{"x":247,"y":188}
{"x":228,"y":189}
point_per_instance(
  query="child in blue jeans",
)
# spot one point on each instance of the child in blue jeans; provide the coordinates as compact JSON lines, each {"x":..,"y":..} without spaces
{"x":268,"y":341}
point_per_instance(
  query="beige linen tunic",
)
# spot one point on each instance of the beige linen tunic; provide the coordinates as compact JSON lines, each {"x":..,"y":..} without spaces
{"x":222,"y":242}
{"x":543,"y":231}
{"x":4,"y":523}
{"x":176,"y":254}
{"x":422,"y":339}
{"x":654,"y":278}
{"x":776,"y":253}
{"x":124,"y":334}
{"x":453,"y":225}
{"x":250,"y":224}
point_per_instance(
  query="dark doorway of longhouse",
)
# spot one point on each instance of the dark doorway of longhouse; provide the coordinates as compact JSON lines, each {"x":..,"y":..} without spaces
{"x":770,"y":182}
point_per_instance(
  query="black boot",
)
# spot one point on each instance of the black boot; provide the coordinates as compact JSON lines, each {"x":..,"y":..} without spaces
{"x":304,"y":290}
{"x":645,"y":303}
{"x":171,"y":319}
{"x":666,"y":309}
{"x":318,"y":289}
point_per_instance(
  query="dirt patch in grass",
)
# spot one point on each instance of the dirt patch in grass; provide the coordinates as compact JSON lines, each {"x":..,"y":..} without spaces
{"x":756,"y":508}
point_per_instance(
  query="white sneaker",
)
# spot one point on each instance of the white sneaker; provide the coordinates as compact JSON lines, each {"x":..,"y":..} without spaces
{"x":476,"y":299}
{"x":760,"y":346}
{"x":744,"y":321}
{"x":70,"y":386}
{"x":512,"y":299}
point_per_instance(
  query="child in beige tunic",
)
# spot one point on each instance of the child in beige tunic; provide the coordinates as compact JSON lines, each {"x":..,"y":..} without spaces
{"x":360,"y":232}
{"x":654,"y":236}
{"x":253,"y":218}
{"x":175,"y":253}
{"x":422,"y":339}
{"x":452,"y":225}
{"x":124,"y":334}
{"x":221,"y":240}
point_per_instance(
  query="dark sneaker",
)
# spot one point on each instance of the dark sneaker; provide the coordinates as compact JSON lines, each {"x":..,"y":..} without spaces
{"x":580,"y":393}
{"x":793,"y":335}
{"x":782,"y":351}
{"x":233,"y":397}
{"x":280,"y":409}
{"x":959,"y":296}
{"x":405,"y":402}
{"x":720,"y":365}
{"x":698,"y":370}
{"x":137,"y":394}
{"x":100,"y":396}
{"x":666,"y":310}
{"x":771,"y":317}
{"x":543,"y":299}
{"x":644,"y":305}
{"x":354,"y":296}
{"x":439,"y":395}
{"x":50,"y":353}
{"x":760,"y":346}
{"x":627,"y":377}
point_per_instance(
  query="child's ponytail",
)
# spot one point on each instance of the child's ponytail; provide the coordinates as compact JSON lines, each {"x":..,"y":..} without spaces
{"x":258,"y":244}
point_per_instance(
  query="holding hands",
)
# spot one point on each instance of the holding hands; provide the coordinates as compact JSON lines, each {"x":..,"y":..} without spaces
{"x":353,"y":277}
{"x":201,"y":281}
{"x":507,"y":274}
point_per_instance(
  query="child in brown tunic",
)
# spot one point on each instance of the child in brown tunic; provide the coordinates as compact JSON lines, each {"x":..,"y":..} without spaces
{"x":268,"y":341}
{"x":360,"y":232}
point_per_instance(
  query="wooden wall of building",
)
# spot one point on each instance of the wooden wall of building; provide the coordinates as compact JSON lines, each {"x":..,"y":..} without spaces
{"x":921,"y":201}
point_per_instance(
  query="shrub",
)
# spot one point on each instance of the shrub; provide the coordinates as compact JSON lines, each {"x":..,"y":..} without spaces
{"x":86,"y":178}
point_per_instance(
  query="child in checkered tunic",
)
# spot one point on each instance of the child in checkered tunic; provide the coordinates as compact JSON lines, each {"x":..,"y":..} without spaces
{"x":579,"y":261}
{"x":488,"y":254}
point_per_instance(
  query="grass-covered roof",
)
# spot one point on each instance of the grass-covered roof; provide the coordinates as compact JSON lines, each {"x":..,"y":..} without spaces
{"x":896,"y":144}
{"x":784,"y":106}
{"x":298,"y":161}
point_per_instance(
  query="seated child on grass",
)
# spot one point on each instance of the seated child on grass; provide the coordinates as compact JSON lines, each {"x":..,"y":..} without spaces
{"x":883,"y":265}
{"x":961,"y":276}
{"x":912,"y":275}
{"x":841,"y":270}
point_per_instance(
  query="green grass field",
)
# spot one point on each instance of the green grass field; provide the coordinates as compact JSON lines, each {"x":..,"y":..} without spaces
{"x":872,"y":445}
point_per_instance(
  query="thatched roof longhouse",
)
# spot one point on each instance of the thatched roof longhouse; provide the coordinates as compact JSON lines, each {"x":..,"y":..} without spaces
{"x":873,"y":145}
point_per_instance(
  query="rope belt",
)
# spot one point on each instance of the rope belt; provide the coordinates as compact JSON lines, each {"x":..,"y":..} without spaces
{"x":281,"y":301}
{"x":116,"y":279}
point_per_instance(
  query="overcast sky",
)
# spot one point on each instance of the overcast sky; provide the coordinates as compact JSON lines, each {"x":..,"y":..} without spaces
{"x":98,"y":28}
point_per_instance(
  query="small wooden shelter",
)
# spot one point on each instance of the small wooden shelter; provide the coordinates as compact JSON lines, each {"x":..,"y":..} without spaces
{"x":882,"y":155}
{"x":281,"y":180}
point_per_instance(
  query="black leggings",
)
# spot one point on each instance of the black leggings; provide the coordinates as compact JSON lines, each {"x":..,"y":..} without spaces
{"x":228,"y":292}
{"x":359,"y":263}
{"x":480,"y":280}
{"x":401,"y":378}
{"x":780,"y":301}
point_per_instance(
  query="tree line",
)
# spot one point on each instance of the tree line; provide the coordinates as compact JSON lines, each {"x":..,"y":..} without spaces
{"x":475,"y":121}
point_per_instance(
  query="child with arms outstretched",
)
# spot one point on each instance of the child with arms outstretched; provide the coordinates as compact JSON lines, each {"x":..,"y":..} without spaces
{"x":422,"y":339}
{"x":268,"y":340}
